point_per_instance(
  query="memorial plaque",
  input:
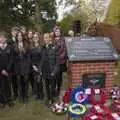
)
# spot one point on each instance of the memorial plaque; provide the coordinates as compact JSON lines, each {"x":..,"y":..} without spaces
{"x":94,"y":80}
{"x":90,"y":48}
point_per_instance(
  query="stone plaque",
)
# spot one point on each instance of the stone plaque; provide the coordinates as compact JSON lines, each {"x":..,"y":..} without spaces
{"x":94,"y":80}
{"x":90,"y":48}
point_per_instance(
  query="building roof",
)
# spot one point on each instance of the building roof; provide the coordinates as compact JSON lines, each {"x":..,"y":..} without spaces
{"x":90,"y":48}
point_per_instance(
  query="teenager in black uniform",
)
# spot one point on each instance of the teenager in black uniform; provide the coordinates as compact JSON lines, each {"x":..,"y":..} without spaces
{"x":30,"y":37}
{"x":59,"y":41}
{"x":30,"y":42}
{"x":22,"y":66}
{"x":12,"y":42}
{"x":6,"y":59}
{"x":23,"y":29}
{"x":50,"y":67}
{"x":36,"y":59}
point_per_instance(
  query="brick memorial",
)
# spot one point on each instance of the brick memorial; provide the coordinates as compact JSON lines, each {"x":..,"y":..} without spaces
{"x":91,"y":62}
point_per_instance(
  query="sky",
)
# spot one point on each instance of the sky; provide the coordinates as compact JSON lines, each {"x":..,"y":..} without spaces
{"x":61,"y":10}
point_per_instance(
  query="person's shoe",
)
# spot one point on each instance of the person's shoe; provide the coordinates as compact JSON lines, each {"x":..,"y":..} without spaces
{"x":2,"y":105}
{"x":36,"y":97}
{"x":26,"y":101}
{"x":57,"y":94}
{"x":15,"y":97}
{"x":41,"y":98}
{"x":51,"y":102}
{"x":10,"y":104}
{"x":47,"y":103}
{"x":23,"y":100}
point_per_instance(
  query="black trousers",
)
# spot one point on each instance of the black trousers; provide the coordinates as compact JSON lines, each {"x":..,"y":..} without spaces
{"x":31,"y":80}
{"x":50,"y":88}
{"x":5,"y":89}
{"x":59,"y":80}
{"x":14,"y":86}
{"x":22,"y":81}
{"x":38,"y":86}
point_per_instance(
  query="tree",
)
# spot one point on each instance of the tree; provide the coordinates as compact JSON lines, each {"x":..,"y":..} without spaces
{"x":30,"y":13}
{"x":15,"y":13}
{"x":86,"y":12}
{"x":94,"y":9}
{"x":113,"y":15}
{"x":67,"y":22}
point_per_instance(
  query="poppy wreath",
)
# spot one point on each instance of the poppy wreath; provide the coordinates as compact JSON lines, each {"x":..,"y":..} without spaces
{"x":67,"y":95}
{"x":76,"y":110}
{"x":92,"y":116}
{"x":59,"y":108}
{"x":97,"y":96}
{"x":115,"y":93}
{"x":115,"y":106}
{"x":114,"y":116}
{"x":78,"y":95}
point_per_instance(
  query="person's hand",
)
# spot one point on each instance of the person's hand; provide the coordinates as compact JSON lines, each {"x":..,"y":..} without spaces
{"x":35,"y":68}
{"x":4,"y":72}
{"x":52,"y":74}
{"x":41,"y":73}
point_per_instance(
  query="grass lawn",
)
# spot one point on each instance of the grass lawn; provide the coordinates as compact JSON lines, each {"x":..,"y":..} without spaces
{"x":34,"y":110}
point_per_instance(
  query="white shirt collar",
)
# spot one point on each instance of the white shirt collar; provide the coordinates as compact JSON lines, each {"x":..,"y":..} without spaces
{"x":13,"y":38}
{"x":3,"y":46}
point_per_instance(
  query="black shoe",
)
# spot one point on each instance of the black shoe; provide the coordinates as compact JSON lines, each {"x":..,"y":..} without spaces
{"x":47,"y":103}
{"x":15,"y":97}
{"x":10,"y":104}
{"x":42,"y":98}
{"x":26,"y":101}
{"x":2,"y":105}
{"x":51,"y":102}
{"x":39,"y":98}
{"x":57,"y":94}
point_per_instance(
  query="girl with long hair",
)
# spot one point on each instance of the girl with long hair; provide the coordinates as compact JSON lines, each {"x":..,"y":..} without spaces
{"x":36,"y":66}
{"x":22,"y":66}
{"x":59,"y":41}
{"x":50,"y":67}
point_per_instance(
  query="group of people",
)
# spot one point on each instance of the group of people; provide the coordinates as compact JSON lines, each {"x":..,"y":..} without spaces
{"x":26,"y":57}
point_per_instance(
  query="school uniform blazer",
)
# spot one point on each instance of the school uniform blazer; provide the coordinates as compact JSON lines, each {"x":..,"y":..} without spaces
{"x":50,"y":61}
{"x":22,"y":62}
{"x":6,"y":59}
{"x":36,"y":57}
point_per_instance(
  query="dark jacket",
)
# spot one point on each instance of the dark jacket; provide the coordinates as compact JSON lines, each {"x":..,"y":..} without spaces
{"x":50,"y":61}
{"x":36,"y":57}
{"x":22,"y":61}
{"x":11,"y":41}
{"x":62,"y":50}
{"x":6,"y":59}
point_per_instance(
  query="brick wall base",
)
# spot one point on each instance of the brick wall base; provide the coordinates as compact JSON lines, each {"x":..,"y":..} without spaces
{"x":78,"y":69}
